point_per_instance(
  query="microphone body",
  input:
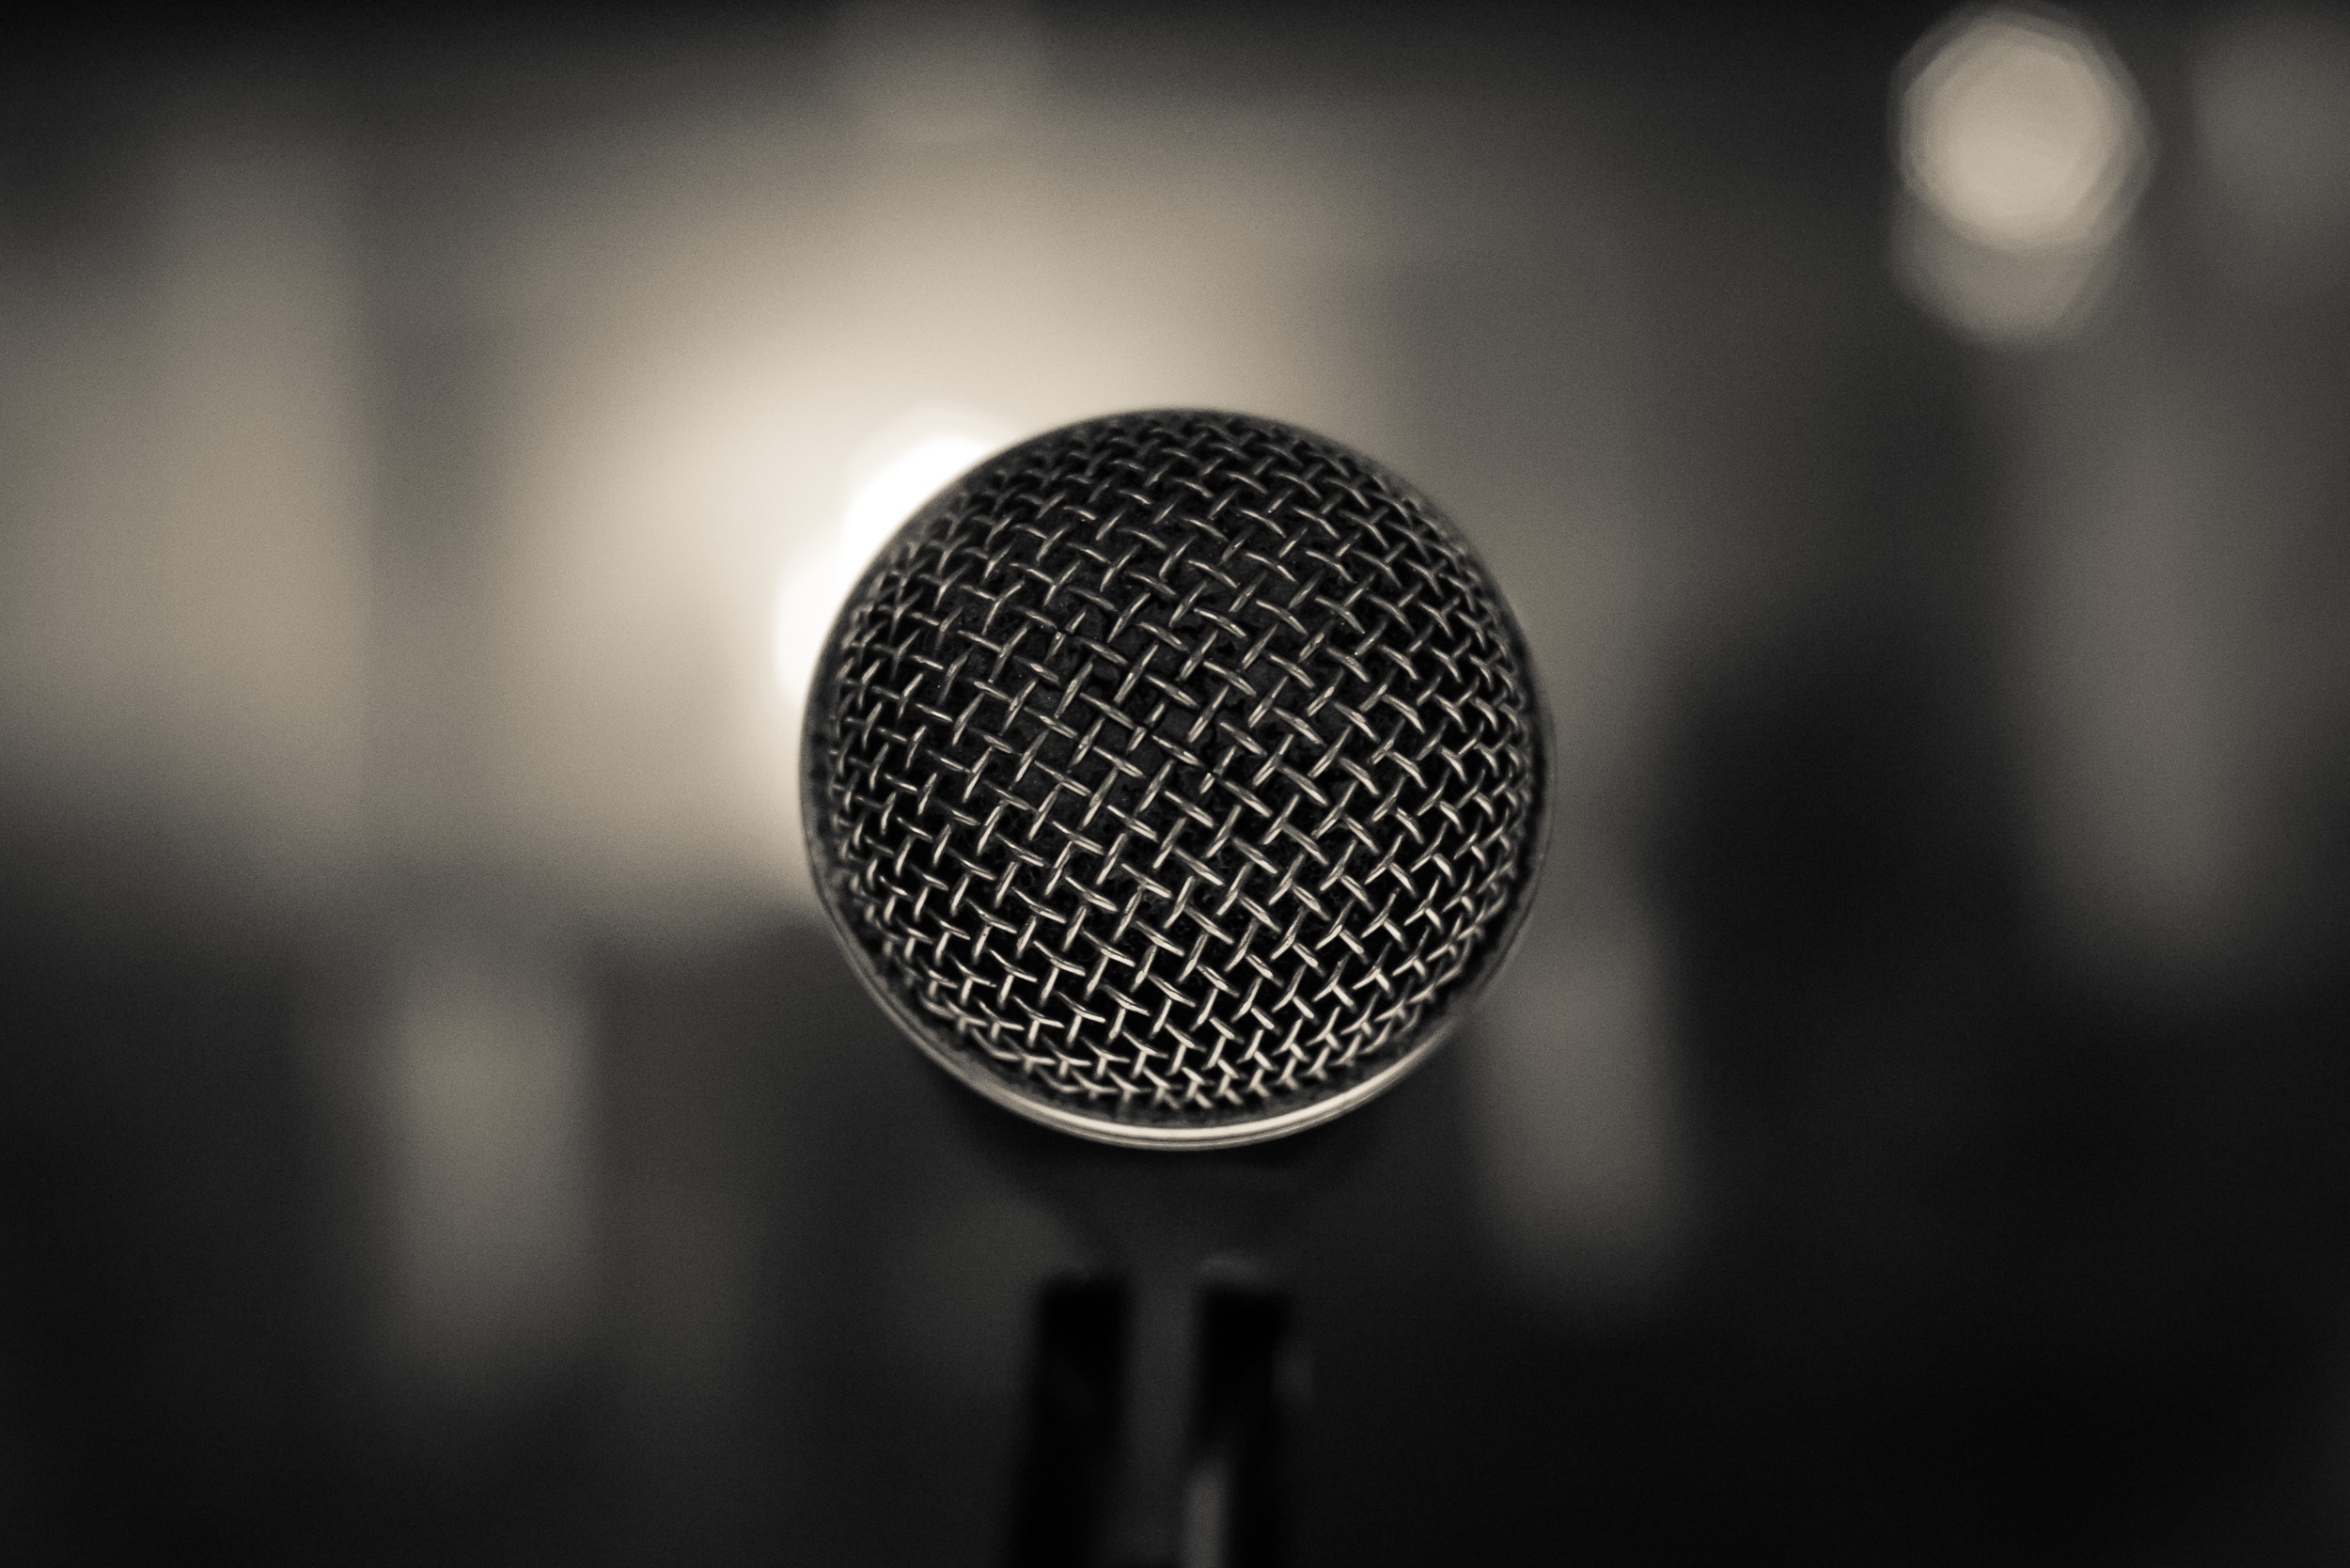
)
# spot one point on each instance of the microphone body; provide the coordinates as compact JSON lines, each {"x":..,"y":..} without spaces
{"x":1175,"y":779}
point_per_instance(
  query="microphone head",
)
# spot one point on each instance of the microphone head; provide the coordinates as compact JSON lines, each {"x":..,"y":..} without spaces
{"x":1176,"y":778}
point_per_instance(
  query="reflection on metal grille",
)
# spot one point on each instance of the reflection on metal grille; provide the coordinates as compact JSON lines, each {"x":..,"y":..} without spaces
{"x":1174,"y":776}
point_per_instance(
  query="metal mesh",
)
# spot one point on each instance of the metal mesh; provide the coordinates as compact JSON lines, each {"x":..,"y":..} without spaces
{"x":1174,"y":771}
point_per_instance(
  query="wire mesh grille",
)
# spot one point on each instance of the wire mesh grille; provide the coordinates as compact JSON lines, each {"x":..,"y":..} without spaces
{"x":1175,"y":771}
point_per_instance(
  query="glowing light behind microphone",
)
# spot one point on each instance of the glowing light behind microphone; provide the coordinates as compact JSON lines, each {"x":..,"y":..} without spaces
{"x":902,"y":466}
{"x":903,"y":484}
{"x":2023,"y":149}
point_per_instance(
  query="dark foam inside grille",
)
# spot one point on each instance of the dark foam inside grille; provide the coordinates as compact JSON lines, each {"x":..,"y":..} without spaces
{"x":1174,"y":772}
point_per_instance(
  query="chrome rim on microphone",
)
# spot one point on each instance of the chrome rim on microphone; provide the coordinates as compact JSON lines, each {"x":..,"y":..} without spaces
{"x":1176,"y":778}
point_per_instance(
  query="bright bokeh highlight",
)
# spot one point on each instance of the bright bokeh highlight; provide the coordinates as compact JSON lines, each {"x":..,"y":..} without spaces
{"x":2023,"y":148}
{"x":2019,"y":132}
{"x":898,"y":469}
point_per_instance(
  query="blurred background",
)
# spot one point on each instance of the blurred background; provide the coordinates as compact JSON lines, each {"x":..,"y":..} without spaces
{"x":435,"y":1127}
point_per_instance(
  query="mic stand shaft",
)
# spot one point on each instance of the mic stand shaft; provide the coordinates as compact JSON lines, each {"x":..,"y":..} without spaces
{"x":1162,"y":1388}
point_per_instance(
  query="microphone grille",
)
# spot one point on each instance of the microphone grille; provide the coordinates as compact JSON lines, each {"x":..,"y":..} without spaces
{"x":1176,"y":777}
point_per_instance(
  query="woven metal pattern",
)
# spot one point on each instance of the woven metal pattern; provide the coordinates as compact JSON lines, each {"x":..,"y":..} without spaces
{"x":1174,"y":772}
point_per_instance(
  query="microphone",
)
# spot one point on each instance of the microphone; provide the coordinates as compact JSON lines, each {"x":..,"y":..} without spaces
{"x":1176,"y":779}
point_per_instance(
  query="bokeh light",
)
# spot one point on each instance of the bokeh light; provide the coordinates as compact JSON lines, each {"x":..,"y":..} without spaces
{"x":900,"y":468}
{"x":2023,"y":148}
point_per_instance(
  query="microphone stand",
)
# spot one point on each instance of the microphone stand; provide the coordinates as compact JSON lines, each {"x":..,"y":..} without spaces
{"x":1164,"y":1391}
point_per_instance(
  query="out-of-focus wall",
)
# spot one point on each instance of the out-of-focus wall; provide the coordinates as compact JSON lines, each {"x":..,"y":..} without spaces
{"x":431,"y":448}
